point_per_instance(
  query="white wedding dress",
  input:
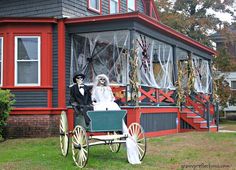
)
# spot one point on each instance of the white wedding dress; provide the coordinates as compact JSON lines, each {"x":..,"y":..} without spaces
{"x":104,"y":98}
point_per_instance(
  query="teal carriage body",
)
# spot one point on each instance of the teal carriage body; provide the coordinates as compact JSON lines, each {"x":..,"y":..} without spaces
{"x":114,"y":132}
{"x":104,"y":121}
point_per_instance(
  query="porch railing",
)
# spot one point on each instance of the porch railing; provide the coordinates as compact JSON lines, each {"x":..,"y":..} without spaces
{"x":204,"y":107}
{"x":146,"y":95}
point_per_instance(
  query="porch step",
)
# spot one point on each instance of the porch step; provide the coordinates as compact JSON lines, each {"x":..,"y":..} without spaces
{"x":197,"y":122}
{"x":198,"y":119}
{"x":194,"y":117}
{"x":188,"y":106}
{"x":203,"y":121}
{"x":188,"y":111}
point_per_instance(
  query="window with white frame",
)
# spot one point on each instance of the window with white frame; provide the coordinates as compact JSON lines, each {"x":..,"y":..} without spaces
{"x":27,"y":60}
{"x":233,"y":84}
{"x":1,"y":60}
{"x":94,"y":5}
{"x":114,"y":6}
{"x":130,"y":5}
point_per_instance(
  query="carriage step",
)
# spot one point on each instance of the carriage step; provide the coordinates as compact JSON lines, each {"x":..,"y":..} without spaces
{"x":109,"y":137}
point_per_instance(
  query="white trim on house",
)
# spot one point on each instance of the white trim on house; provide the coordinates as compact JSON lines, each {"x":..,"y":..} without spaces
{"x":38,"y":60}
{"x":1,"y":60}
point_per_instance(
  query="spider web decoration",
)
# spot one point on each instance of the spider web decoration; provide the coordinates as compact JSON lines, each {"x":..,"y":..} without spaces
{"x":145,"y":57}
{"x":100,"y":53}
{"x":89,"y":69}
{"x":202,"y":75}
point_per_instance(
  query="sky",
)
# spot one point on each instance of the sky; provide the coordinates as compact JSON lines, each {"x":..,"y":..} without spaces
{"x":226,"y":16}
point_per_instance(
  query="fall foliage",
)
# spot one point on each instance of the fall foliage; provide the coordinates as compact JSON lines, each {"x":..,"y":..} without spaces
{"x":193,"y":19}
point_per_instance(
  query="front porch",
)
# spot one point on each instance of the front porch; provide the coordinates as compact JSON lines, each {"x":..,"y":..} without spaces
{"x":143,"y":60}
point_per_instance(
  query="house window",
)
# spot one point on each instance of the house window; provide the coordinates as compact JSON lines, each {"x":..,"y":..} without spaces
{"x":94,"y":5}
{"x":114,"y":6}
{"x":130,"y":5}
{"x":27,"y":60}
{"x":233,"y":85}
{"x":1,"y":60}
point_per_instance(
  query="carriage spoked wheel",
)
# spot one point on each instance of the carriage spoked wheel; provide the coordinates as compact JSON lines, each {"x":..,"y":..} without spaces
{"x":64,"y":135}
{"x":116,"y":146}
{"x":137,"y":133}
{"x":80,"y":146}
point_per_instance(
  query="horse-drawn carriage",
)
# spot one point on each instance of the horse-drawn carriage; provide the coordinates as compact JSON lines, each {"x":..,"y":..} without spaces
{"x":111,"y":124}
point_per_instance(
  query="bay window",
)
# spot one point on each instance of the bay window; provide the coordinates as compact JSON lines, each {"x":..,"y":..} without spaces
{"x":27,"y":60}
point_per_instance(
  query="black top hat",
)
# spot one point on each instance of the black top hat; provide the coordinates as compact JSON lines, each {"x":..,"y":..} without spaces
{"x":77,"y":74}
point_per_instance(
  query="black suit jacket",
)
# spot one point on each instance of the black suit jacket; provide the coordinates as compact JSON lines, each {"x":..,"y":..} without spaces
{"x":77,"y":97}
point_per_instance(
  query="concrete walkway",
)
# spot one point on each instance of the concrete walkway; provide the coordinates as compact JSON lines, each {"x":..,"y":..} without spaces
{"x":227,"y":131}
{"x":223,"y":129}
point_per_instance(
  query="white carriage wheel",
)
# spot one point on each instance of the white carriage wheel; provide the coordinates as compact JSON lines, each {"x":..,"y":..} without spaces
{"x":64,"y":136}
{"x":137,"y":133}
{"x":116,"y":146}
{"x":80,"y":146}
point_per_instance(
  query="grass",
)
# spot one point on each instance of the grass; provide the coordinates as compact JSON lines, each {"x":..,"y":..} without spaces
{"x":228,"y":125}
{"x":179,"y":151}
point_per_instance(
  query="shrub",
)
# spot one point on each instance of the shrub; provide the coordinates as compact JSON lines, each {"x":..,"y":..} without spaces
{"x":6,"y":102}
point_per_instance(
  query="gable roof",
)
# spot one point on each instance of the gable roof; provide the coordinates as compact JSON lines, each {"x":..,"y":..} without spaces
{"x":151,"y":9}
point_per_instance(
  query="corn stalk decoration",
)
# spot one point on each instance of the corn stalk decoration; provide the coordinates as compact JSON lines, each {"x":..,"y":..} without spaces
{"x":185,"y":69}
{"x":191,"y":76}
{"x":215,"y":84}
{"x":179,"y":85}
{"x":133,"y":76}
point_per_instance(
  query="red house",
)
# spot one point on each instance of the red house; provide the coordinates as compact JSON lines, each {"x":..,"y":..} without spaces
{"x":42,"y":43}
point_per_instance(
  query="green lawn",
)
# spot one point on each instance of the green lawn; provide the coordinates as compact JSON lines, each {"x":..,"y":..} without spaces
{"x":228,"y":125}
{"x":177,"y":151}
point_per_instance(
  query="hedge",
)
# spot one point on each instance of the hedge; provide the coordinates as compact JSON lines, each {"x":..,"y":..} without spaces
{"x":6,"y":102}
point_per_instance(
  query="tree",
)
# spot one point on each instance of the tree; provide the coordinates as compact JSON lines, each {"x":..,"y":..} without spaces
{"x":225,"y":62}
{"x":222,"y":61}
{"x":192,"y":17}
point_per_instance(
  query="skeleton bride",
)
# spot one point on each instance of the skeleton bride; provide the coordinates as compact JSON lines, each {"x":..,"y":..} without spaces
{"x":102,"y":95}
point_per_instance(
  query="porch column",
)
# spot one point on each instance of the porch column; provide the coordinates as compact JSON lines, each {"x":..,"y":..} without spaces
{"x":61,"y":65}
{"x":175,"y":68}
{"x":132,"y":47}
{"x":211,"y":88}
